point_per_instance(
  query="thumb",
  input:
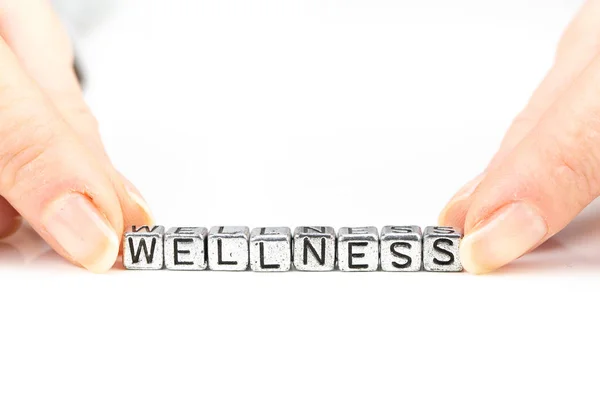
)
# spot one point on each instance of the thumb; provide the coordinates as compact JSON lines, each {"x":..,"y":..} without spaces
{"x":548,"y":178}
{"x":577,"y":48}
{"x":51,"y":177}
{"x":39,"y":41}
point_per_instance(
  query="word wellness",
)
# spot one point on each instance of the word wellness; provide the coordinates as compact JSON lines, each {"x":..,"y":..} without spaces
{"x":310,"y":248}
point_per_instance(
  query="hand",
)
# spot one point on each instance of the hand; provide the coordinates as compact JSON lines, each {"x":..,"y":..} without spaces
{"x":54,"y":171}
{"x":548,"y":166}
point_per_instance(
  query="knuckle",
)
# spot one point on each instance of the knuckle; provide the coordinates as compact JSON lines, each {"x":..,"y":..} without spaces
{"x":577,"y":163}
{"x":87,"y":120}
{"x":569,"y":174}
{"x":78,"y":113}
{"x":21,"y":154}
{"x":524,"y":121}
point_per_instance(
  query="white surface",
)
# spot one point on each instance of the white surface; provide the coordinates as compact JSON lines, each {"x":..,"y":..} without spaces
{"x":265,"y":112}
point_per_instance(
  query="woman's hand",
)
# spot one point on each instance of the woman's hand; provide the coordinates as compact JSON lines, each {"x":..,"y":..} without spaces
{"x":548,"y":166}
{"x":54,"y":171}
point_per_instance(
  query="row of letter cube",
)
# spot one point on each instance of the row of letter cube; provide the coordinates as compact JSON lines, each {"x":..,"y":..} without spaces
{"x":312,"y":248}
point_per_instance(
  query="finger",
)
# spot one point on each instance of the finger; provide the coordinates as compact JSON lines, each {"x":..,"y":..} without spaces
{"x":542,"y":185}
{"x":579,"y":44}
{"x":34,"y":32}
{"x":577,"y":47}
{"x":136,"y":210}
{"x":455,"y":211}
{"x":51,"y":177}
{"x":42,"y":45}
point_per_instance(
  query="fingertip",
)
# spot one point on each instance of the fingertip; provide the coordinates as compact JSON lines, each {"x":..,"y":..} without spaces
{"x":107,"y":259}
{"x":455,"y":212}
{"x":144,"y":212}
{"x":81,"y":231}
{"x":137,"y":211}
{"x":468,"y":261}
{"x":502,"y":237}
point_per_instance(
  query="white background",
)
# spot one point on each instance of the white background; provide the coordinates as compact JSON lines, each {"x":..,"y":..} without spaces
{"x":329,"y":112}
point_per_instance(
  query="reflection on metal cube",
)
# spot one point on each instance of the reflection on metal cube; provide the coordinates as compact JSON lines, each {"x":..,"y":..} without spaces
{"x":185,"y":248}
{"x":271,"y":249}
{"x":440,"y":249}
{"x":143,"y":247}
{"x":401,"y":248}
{"x":314,"y":248}
{"x":228,"y":248}
{"x":358,"y":249}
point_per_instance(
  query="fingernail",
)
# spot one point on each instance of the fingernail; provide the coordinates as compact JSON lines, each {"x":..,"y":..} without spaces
{"x":505,"y":236}
{"x":464,"y":193}
{"x":137,"y":198}
{"x":85,"y":234}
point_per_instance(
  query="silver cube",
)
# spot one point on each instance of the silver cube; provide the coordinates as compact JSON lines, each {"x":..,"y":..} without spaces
{"x":358,"y":249}
{"x":440,"y":249}
{"x":271,"y":249}
{"x":228,"y":248}
{"x":185,"y":248}
{"x":314,"y":248}
{"x":143,"y":247}
{"x":401,"y":248}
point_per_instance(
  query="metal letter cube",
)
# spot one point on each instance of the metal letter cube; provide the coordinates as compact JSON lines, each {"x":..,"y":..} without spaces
{"x":358,"y":249}
{"x":143,"y":247}
{"x":228,"y":248}
{"x":401,"y":248}
{"x":314,"y":248}
{"x":440,"y":249}
{"x":185,"y":249}
{"x":271,"y":249}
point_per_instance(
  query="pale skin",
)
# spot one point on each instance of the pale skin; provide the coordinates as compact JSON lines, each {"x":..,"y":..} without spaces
{"x":548,"y":166}
{"x":55,"y":174}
